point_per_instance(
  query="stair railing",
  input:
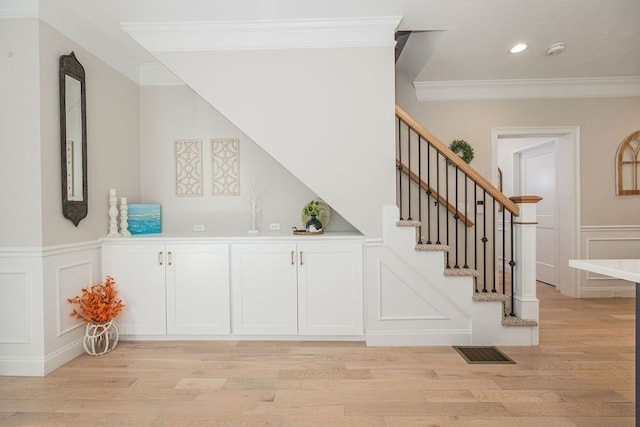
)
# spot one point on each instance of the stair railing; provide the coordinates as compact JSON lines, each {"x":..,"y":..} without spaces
{"x":456,"y":207}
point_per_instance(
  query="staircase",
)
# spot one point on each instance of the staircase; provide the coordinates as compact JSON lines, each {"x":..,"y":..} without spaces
{"x":449,"y":273}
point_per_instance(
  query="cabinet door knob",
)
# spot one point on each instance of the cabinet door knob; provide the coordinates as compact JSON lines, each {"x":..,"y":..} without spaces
{"x":293,"y":259}
{"x":301,"y":260}
{"x":169,"y":258}
{"x":160,"y":258}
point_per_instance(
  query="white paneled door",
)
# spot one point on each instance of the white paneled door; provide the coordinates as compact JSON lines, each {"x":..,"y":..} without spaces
{"x":538,"y":177}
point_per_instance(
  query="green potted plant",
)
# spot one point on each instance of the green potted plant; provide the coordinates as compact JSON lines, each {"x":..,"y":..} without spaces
{"x":312,"y":209}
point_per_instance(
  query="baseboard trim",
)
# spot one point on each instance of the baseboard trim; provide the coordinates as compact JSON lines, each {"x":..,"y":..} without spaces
{"x":22,"y":367}
{"x":241,"y":338}
{"x":63,"y":356}
{"x":40,"y":367}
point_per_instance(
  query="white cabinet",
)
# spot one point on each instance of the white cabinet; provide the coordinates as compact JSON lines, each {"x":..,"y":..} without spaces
{"x":299,"y":286}
{"x":330,"y":300}
{"x":304,"y":288}
{"x":171,"y":288}
{"x":264,"y":291}
{"x":139,"y":275}
{"x":198,"y":289}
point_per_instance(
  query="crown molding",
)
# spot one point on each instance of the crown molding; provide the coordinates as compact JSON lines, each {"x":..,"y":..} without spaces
{"x":527,"y":88}
{"x":242,"y":35}
{"x":154,"y":74}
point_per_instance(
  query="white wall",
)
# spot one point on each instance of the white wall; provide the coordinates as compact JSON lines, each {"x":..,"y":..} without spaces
{"x":325,"y":114}
{"x":44,"y":259}
{"x":113,"y":153}
{"x":170,"y":113}
{"x":21,"y":215}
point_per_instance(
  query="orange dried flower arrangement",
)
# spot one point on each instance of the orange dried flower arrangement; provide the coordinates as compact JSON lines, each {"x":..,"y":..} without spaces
{"x":98,"y":303}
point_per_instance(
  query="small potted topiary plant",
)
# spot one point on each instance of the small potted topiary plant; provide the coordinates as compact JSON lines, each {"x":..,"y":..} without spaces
{"x":312,"y":209}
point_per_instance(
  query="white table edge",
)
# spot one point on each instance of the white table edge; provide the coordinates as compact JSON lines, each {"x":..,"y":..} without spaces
{"x":625,"y":269}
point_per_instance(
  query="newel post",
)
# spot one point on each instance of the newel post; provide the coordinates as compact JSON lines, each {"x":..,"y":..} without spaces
{"x":526,"y":302}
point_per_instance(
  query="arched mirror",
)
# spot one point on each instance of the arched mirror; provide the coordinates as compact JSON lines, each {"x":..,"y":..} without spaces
{"x":73,"y":132}
{"x":628,"y":165}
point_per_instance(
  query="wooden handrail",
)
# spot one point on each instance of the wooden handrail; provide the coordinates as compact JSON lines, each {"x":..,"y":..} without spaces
{"x":441,"y":200}
{"x":452,"y":157}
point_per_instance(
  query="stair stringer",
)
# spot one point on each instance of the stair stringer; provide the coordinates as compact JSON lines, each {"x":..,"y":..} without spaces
{"x":411,"y":302}
{"x":405,"y":308}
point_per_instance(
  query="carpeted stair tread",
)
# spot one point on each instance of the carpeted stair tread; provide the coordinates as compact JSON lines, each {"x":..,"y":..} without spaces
{"x":431,"y":247}
{"x":489,"y":296}
{"x":408,"y":223}
{"x":516,"y":321}
{"x":468,"y":272}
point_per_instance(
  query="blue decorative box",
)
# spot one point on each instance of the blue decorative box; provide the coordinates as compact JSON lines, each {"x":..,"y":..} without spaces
{"x":144,"y":218}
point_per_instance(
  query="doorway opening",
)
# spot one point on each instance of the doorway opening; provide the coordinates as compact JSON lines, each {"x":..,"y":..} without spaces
{"x":545,"y":162}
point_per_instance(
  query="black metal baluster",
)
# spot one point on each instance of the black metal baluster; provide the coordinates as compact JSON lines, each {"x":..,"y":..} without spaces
{"x":504,"y":250}
{"x":437,"y":202}
{"x":475,"y":229}
{"x":512,"y":263}
{"x":446,"y":209}
{"x":484,"y":241}
{"x":456,"y":217}
{"x":494,"y":263}
{"x":428,"y":194}
{"x":466,"y":217}
{"x":399,"y":166}
{"x":409,"y":171}
{"x":420,"y":188}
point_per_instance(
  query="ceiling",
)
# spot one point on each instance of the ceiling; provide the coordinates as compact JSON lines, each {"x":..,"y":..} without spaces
{"x":453,"y":40}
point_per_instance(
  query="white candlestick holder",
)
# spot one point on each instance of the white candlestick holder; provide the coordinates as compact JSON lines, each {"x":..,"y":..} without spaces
{"x":124,"y":217}
{"x":113,"y":214}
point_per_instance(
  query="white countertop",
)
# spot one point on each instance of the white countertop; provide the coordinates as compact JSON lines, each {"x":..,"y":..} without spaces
{"x":230,"y":236}
{"x":625,"y":269}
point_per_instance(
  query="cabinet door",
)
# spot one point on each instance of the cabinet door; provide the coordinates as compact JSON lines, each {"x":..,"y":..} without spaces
{"x":264,"y":289}
{"x":198,"y":289}
{"x":139,"y":273}
{"x":330,"y":300}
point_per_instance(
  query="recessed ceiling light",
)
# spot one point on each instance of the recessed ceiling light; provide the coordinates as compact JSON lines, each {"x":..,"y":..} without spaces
{"x":555,"y":48}
{"x":518,"y":48}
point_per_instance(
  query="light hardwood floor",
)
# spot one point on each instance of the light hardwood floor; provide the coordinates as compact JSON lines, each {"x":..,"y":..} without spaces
{"x":581,"y":374}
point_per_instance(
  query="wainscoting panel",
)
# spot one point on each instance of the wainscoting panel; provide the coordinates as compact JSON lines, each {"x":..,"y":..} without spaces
{"x":613,"y":242}
{"x":14,"y":309}
{"x":21,"y":336}
{"x":70,"y":280}
{"x":67,"y":269}
{"x":37,"y":335}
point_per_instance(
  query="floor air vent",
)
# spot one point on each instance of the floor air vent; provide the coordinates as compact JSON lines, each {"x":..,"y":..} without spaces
{"x":479,"y":354}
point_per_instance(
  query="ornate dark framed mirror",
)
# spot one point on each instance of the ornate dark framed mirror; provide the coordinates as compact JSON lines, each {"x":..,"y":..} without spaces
{"x":73,"y":133}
